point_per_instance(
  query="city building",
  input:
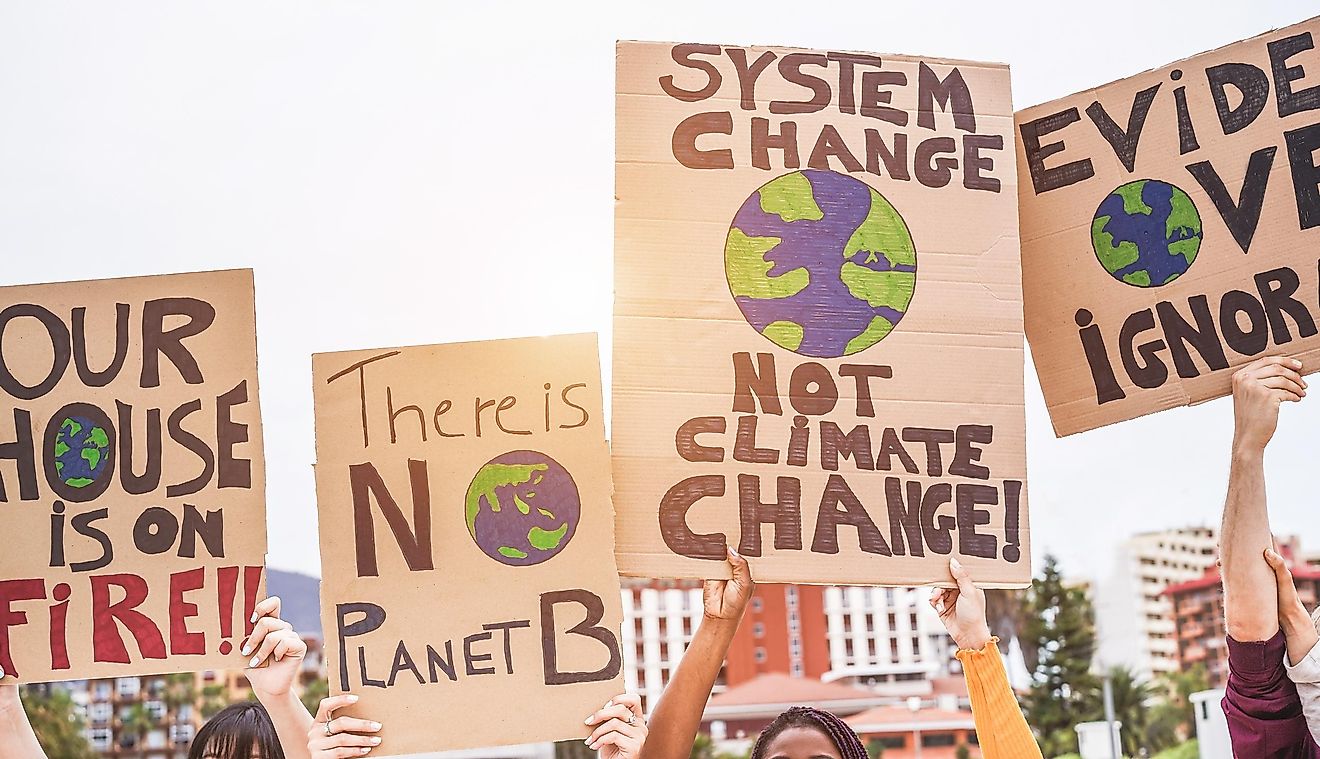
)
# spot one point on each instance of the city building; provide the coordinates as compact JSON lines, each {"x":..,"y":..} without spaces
{"x":924,"y":733}
{"x":1134,"y":618}
{"x":157,"y":716}
{"x":1198,"y":607}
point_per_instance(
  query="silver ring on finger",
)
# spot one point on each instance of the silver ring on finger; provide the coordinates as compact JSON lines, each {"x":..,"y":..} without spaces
{"x":328,"y":731}
{"x":632,"y":719}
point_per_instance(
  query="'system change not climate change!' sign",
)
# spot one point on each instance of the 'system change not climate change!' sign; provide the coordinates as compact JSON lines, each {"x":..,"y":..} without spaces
{"x":1169,"y":229}
{"x":817,"y":354}
{"x":467,"y":540}
{"x":131,"y":475}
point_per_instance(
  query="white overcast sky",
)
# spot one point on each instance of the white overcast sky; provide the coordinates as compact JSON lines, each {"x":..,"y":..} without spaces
{"x":417,"y":172}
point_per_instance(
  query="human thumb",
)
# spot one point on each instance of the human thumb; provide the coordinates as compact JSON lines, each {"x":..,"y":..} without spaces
{"x":962,"y":577}
{"x":1275,"y":560}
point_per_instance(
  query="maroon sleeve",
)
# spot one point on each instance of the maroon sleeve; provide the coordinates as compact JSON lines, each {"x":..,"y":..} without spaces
{"x":1264,"y":713}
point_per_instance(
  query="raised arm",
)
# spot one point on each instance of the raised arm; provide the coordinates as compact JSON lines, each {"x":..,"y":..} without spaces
{"x":17,"y":740}
{"x":276,"y":655}
{"x":1251,"y":604}
{"x":1000,"y":727}
{"x":675,"y":720}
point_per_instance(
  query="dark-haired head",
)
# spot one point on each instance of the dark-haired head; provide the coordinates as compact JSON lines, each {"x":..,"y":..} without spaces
{"x":806,"y":733}
{"x":241,"y":731}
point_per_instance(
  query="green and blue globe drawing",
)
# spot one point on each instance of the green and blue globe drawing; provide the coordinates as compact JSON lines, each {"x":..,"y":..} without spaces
{"x":81,"y":452}
{"x":820,"y":263}
{"x":1146,"y":233}
{"x":522,"y":508}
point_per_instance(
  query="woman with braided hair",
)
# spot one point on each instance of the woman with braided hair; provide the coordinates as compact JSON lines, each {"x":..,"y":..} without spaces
{"x":806,"y":733}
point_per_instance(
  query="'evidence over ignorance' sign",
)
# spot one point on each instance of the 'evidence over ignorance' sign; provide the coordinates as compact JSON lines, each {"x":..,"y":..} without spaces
{"x":1169,"y":229}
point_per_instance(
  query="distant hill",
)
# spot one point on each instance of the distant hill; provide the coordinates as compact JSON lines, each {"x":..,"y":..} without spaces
{"x":300,"y":599}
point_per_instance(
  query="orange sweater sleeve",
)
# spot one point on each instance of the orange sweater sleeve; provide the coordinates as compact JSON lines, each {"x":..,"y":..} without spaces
{"x":1000,"y":727}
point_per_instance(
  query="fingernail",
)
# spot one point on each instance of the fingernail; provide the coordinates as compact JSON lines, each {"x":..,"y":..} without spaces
{"x":246,"y":650}
{"x":955,"y":564}
{"x":352,"y":699}
{"x":587,"y":721}
{"x":375,"y":725}
{"x":733,"y":553}
{"x":254,"y":662}
{"x":365,"y":751}
{"x":1297,"y":363}
{"x":254,"y":618}
{"x":375,"y":741}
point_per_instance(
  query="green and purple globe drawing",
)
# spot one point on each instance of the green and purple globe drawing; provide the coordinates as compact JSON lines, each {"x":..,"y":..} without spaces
{"x":81,"y":451}
{"x":1146,"y":233}
{"x":522,"y":508}
{"x":820,"y":263}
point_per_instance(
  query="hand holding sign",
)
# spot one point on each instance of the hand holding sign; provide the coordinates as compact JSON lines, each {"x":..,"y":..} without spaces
{"x":727,"y":599}
{"x":962,"y":610}
{"x":274,"y":641}
{"x":620,"y":728}
{"x":1259,"y":388}
{"x":334,"y":737}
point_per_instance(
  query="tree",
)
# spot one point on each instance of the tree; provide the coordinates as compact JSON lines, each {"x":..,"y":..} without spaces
{"x":313,"y":693}
{"x":1131,"y":700}
{"x":1173,"y":720}
{"x":875,"y":749}
{"x":137,"y":722}
{"x":962,"y":752}
{"x":58,"y":727}
{"x":1060,"y":628}
{"x":213,"y":700}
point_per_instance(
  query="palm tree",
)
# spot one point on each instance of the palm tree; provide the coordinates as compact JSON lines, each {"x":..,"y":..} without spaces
{"x":1131,"y":701}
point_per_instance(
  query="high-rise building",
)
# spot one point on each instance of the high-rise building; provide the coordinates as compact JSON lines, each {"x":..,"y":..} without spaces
{"x":1134,"y":617}
{"x":1198,"y":607}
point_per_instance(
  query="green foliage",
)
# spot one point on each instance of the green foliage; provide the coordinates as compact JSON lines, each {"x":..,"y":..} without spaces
{"x":1130,"y":708}
{"x":875,"y":749}
{"x":573,"y":749}
{"x":58,"y":727}
{"x":214,"y":699}
{"x":1188,"y":750}
{"x":1060,"y":628}
{"x":962,"y":752}
{"x":313,"y":693}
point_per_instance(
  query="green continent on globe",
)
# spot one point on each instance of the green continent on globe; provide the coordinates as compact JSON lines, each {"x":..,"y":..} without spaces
{"x":790,"y":198}
{"x":748,"y":271}
{"x":493,"y":476}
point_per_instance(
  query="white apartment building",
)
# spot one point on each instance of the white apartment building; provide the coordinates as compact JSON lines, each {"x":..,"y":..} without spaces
{"x":1134,"y":619}
{"x":889,"y":639}
{"x":658,"y":624}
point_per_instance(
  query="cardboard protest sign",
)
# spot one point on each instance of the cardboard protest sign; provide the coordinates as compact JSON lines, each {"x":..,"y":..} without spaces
{"x":1169,"y":229}
{"x":132,"y":482}
{"x":467,"y":540}
{"x":817,"y":331}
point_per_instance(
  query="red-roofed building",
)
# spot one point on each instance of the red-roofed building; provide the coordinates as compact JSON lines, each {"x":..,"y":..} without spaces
{"x":1198,"y":612}
{"x":744,"y":709}
{"x":925,"y":733}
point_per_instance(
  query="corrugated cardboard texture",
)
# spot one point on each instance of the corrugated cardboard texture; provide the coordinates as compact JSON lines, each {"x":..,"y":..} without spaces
{"x":136,"y":516}
{"x":515,"y":447}
{"x":955,"y":351}
{"x":1220,"y":211}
